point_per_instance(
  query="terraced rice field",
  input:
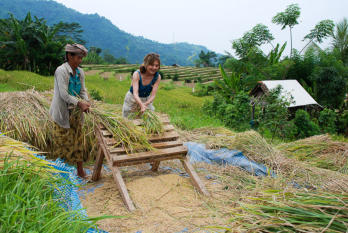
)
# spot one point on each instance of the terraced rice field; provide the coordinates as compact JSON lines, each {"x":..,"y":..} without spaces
{"x":188,"y":74}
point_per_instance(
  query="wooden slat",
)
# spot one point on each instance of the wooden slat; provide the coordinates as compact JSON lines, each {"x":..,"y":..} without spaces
{"x":158,"y":145}
{"x":165,"y":136}
{"x":172,"y":135}
{"x":166,"y":128}
{"x":156,"y":154}
{"x":196,"y":181}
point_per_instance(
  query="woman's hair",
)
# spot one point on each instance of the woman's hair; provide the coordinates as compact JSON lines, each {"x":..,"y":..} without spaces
{"x":66,"y":56}
{"x":149,"y":59}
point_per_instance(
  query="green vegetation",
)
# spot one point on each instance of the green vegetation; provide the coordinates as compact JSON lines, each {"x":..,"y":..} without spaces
{"x":323,"y":73}
{"x":31,"y":44}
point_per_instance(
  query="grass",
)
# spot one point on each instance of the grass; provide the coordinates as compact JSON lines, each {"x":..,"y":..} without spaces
{"x":24,"y":80}
{"x":182,"y":107}
{"x":27,"y":202}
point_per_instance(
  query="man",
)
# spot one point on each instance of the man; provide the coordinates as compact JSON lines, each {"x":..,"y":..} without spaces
{"x":68,"y":106}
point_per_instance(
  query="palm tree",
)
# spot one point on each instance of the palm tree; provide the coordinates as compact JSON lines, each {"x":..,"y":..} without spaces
{"x":340,"y":39}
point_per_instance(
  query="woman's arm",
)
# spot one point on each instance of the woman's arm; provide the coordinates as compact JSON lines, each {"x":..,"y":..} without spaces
{"x":135,"y":84}
{"x":154,"y":91}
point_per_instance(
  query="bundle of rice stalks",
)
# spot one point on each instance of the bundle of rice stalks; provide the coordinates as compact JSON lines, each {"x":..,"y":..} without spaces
{"x":150,"y":121}
{"x":320,"y":151}
{"x":131,"y":137}
{"x":15,"y":151}
{"x":279,"y":211}
{"x":24,"y":116}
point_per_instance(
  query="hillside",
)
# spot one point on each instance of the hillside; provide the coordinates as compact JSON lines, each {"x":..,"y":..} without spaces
{"x":100,"y":32}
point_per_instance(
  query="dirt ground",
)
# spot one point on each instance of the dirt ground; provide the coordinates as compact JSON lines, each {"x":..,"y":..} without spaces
{"x":165,"y":201}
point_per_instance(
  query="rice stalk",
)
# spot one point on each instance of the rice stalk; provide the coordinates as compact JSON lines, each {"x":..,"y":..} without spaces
{"x":150,"y":122}
{"x":280,"y":211}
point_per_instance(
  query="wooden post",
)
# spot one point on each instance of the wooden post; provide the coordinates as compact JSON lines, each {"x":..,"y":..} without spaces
{"x":154,"y":166}
{"x":98,"y":165}
{"x":194,"y":177}
{"x":122,"y":188}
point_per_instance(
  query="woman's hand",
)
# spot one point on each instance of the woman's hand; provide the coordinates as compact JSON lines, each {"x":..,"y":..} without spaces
{"x":143,"y":108}
{"x":84,"y":106}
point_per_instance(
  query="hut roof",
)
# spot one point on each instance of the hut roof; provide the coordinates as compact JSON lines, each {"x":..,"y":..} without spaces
{"x":293,"y":87}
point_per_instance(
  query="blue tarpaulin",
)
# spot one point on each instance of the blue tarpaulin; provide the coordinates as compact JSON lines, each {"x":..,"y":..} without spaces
{"x":198,"y":153}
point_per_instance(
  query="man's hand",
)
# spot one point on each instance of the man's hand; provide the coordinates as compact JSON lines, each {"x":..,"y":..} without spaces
{"x":84,"y":106}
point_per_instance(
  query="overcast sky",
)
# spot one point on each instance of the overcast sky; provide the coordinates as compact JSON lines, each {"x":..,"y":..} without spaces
{"x":211,"y":23}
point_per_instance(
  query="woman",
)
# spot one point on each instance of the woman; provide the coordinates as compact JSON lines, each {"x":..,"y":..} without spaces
{"x":67,"y":107}
{"x":144,"y":86}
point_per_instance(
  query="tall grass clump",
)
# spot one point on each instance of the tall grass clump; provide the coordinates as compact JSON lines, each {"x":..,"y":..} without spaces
{"x":27,"y":202}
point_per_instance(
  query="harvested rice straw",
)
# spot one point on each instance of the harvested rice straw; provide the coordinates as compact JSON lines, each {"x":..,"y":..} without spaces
{"x":24,"y":116}
{"x":151,"y":122}
{"x":12,"y":150}
{"x":126,"y":134}
{"x":256,"y":148}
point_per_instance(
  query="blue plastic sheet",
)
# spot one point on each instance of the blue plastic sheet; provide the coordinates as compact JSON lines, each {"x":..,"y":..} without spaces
{"x":198,"y":153}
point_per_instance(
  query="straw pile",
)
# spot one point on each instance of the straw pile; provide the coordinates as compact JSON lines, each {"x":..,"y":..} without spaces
{"x":24,"y":116}
{"x":319,"y":151}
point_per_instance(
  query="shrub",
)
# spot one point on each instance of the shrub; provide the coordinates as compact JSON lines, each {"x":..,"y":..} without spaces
{"x":305,"y":126}
{"x":176,"y":77}
{"x":327,"y":119}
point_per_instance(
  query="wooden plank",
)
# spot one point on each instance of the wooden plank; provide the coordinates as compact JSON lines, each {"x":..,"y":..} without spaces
{"x":98,"y":165}
{"x":179,"y":150}
{"x":172,"y":135}
{"x":166,"y":128}
{"x":157,"y":145}
{"x":196,"y":181}
{"x":122,"y":188}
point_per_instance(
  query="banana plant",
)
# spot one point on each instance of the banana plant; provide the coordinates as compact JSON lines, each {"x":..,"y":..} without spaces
{"x":229,"y":85}
{"x":275,"y":54}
